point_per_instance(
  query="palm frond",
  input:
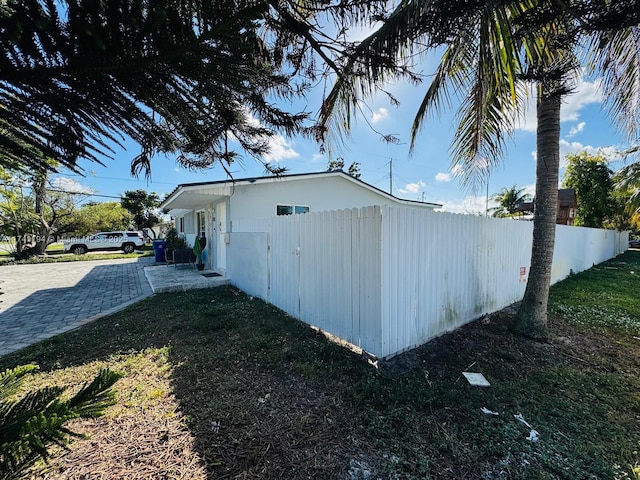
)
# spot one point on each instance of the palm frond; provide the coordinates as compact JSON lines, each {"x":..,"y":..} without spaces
{"x":30,"y":424}
{"x":615,"y":55}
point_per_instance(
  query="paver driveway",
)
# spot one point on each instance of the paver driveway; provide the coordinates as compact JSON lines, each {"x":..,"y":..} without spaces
{"x":46,"y":299}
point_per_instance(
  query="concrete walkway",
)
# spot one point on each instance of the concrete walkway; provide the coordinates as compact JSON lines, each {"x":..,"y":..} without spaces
{"x":169,"y":278}
{"x":43,"y":300}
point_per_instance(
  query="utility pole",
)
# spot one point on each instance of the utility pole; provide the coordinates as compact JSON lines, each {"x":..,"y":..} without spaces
{"x":391,"y":176}
{"x":486,"y":205}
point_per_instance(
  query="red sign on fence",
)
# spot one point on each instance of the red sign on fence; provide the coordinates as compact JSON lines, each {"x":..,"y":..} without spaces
{"x":523,"y":274}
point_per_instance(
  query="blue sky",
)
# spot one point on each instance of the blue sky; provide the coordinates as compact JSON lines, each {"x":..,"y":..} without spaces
{"x":424,"y":175}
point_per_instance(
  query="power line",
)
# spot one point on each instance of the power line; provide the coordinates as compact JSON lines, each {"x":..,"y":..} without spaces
{"x":83,"y":193}
{"x":114,"y":178}
{"x":63,"y":191}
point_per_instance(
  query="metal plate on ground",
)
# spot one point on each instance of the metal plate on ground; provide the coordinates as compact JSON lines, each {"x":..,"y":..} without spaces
{"x":476,"y":379}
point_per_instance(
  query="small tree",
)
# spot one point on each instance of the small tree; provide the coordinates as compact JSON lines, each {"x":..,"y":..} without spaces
{"x":96,"y":217}
{"x":197,"y":250}
{"x":53,"y":207}
{"x":143,"y":207}
{"x":626,"y":199}
{"x":591,"y":178}
{"x":17,"y":217}
{"x":174,"y":240}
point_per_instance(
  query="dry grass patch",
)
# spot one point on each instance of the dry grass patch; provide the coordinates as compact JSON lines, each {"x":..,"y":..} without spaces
{"x":142,"y":436}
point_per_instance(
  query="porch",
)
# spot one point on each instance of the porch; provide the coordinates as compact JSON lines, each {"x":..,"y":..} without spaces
{"x":170,"y":278}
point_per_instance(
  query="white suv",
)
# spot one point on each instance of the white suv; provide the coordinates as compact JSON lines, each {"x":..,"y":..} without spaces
{"x":126,"y":241}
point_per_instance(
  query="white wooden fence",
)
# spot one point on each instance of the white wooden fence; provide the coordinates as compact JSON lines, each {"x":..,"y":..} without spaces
{"x":388,"y":279}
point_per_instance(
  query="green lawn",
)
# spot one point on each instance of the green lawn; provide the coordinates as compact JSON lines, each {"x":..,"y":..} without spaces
{"x":55,"y":254}
{"x":220,"y":385}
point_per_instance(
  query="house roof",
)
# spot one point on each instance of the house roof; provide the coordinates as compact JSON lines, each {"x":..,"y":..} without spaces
{"x":197,"y":193}
{"x":566,"y":198}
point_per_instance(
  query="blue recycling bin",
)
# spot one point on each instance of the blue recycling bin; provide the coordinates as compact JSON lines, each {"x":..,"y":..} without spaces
{"x":159,"y":247}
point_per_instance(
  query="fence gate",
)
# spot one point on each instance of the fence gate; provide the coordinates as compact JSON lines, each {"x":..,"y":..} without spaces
{"x":324,"y":268}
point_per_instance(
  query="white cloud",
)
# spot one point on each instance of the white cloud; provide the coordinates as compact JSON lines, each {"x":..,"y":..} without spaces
{"x":567,"y":148}
{"x":584,"y":94}
{"x":379,"y":114}
{"x":470,"y":205}
{"x":527,"y":118}
{"x":280,"y":149}
{"x":576,"y":129}
{"x":70,"y":185}
{"x":413,"y":187}
{"x":479,"y":165}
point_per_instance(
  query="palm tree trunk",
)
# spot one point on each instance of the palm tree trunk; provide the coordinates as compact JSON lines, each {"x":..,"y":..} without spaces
{"x":531,"y":320}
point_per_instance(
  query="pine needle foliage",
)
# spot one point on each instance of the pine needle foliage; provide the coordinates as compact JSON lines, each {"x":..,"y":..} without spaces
{"x":32,"y":423}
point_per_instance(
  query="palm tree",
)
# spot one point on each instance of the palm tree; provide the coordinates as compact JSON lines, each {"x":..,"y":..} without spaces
{"x":491,"y":50}
{"x":509,"y":199}
{"x":77,"y":77}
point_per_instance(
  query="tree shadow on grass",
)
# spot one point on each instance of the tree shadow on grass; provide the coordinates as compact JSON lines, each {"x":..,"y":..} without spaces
{"x":256,"y":388}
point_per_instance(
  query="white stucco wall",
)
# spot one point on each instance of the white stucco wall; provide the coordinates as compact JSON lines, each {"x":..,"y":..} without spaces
{"x":320,"y":194}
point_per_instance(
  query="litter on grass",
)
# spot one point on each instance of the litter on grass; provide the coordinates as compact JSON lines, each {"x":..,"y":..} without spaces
{"x":533,"y":434}
{"x":486,"y":411}
{"x":476,"y":379}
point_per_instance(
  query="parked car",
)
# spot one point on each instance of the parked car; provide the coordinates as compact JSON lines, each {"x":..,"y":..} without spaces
{"x":634,"y":243}
{"x":128,"y":242}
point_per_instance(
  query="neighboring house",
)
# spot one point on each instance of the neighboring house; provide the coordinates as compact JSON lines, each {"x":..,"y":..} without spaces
{"x":157,"y":231}
{"x":567,"y":205}
{"x":211,"y":208}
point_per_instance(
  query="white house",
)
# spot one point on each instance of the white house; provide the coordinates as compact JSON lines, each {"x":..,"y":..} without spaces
{"x":211,"y":208}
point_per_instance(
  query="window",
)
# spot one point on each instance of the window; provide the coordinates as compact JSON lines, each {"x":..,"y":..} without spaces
{"x":291,"y":209}
{"x":181,"y":225}
{"x":200,"y":223}
{"x":284,"y":209}
{"x":572,"y":212}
